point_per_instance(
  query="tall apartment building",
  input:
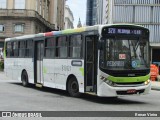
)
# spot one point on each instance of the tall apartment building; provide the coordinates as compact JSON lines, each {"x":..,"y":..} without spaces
{"x":91,"y":12}
{"x":140,"y":12}
{"x":101,"y":11}
{"x":68,"y":18}
{"x":21,"y":17}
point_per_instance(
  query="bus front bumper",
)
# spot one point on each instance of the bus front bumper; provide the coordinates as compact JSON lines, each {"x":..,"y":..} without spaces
{"x":105,"y":90}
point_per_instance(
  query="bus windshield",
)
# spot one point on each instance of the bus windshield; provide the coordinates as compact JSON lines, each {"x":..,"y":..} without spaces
{"x":123,"y":54}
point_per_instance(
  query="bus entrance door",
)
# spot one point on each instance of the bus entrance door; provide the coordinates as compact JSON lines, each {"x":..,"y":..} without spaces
{"x":90,"y":64}
{"x":39,"y":61}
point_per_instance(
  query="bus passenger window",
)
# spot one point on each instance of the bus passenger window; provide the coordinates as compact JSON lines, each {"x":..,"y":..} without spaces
{"x":29,"y":48}
{"x":9,"y":49}
{"x":62,"y":47}
{"x":50,"y":47}
{"x":75,"y":43}
{"x":15,"y":49}
{"x":21,"y":48}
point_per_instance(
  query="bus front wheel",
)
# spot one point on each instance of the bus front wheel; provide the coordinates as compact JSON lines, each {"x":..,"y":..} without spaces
{"x":24,"y":79}
{"x":73,"y":87}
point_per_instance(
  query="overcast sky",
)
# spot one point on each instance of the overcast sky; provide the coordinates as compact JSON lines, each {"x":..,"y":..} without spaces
{"x":78,"y":7}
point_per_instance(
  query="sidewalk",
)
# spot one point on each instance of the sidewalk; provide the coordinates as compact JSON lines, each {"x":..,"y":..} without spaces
{"x":155,"y":85}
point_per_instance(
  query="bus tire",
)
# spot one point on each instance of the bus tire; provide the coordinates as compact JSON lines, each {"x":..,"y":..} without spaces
{"x":73,"y":87}
{"x":24,"y":79}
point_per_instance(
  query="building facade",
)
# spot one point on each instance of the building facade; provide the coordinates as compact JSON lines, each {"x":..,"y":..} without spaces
{"x":21,"y":17}
{"x":101,"y":11}
{"x":91,"y":17}
{"x":57,"y":11}
{"x":69,"y":19}
{"x":140,"y":12}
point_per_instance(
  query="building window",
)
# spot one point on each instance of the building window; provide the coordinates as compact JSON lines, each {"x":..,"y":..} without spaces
{"x":1,"y":28}
{"x":19,"y":28}
{"x":40,"y":7}
{"x":3,"y":4}
{"x":47,"y":12}
{"x":157,"y":1}
{"x":19,"y":4}
{"x":37,"y":5}
{"x":1,"y":44}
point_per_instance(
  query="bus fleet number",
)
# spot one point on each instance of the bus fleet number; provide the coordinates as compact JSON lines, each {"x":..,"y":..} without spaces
{"x":66,"y":68}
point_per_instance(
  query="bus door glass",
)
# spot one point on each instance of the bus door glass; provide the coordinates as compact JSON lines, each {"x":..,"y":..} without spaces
{"x":90,"y":63}
{"x":39,"y":61}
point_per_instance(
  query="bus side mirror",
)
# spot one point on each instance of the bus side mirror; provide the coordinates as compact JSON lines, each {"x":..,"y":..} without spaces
{"x":100,"y":45}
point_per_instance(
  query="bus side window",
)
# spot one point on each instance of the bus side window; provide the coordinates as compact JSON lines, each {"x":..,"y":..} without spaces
{"x":15,"y":49}
{"x":62,"y":47}
{"x":22,"y":49}
{"x":8,"y":50}
{"x":29,"y":48}
{"x":75,"y":43}
{"x":50,"y":47}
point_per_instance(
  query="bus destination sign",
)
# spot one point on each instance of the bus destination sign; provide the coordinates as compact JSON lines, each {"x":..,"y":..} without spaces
{"x":124,"y":31}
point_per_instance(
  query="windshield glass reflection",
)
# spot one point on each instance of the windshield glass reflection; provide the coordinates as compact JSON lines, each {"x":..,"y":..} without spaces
{"x":124,"y":54}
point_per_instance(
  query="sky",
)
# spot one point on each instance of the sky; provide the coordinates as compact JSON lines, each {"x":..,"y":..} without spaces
{"x":78,"y":7}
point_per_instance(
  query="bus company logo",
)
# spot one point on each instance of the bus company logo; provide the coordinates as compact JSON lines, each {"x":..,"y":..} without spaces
{"x":6,"y":114}
{"x":131,"y":75}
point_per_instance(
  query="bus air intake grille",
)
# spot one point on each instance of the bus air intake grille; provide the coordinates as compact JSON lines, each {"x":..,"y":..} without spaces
{"x":130,"y":93}
{"x":129,"y":84}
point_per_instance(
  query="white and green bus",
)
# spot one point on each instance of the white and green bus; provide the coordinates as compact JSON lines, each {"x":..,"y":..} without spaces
{"x":104,"y":60}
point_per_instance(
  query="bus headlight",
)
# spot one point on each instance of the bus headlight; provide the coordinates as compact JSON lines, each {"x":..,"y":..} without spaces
{"x":109,"y":82}
{"x":102,"y":78}
{"x":147,"y":82}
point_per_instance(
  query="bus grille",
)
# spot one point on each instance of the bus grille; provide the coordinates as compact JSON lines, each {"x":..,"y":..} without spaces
{"x":136,"y":84}
{"x":126,"y":93}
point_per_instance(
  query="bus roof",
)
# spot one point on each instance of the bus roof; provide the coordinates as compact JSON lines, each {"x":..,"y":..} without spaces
{"x":68,"y":31}
{"x":21,"y":37}
{"x":83,"y":29}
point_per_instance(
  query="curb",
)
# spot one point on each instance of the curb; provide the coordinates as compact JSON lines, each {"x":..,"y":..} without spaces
{"x":155,"y":88}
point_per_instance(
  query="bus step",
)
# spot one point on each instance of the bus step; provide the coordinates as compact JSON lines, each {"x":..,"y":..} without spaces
{"x":39,"y":85}
{"x":91,"y":93}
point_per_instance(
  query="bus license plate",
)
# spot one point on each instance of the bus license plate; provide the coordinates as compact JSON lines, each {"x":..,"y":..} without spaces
{"x":131,"y":91}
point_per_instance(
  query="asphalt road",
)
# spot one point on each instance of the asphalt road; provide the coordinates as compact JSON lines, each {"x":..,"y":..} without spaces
{"x":15,"y":97}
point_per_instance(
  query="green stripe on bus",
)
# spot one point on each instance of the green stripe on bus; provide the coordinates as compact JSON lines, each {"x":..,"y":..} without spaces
{"x":82,"y":71}
{"x":128,"y":79}
{"x":44,"y":70}
{"x":73,"y":30}
{"x":4,"y":51}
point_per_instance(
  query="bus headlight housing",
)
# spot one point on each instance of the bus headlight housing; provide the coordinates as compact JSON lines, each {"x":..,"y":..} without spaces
{"x":147,"y":82}
{"x":109,"y":82}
